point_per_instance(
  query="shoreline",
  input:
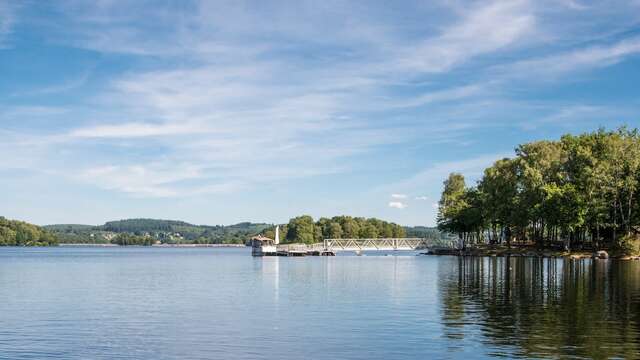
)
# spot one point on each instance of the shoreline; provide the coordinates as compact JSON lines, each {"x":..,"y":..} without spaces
{"x":159,"y":245}
{"x":515,"y":252}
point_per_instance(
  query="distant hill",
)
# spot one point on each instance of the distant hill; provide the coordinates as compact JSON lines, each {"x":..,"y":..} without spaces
{"x":164,"y":231}
{"x":68,"y":227}
{"x":140,"y":225}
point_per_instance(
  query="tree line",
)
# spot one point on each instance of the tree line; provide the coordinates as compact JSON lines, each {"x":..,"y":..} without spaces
{"x":19,"y":233}
{"x":164,"y":231}
{"x":143,"y":225}
{"x":303,"y":229}
{"x":126,"y":239}
{"x":580,"y":191}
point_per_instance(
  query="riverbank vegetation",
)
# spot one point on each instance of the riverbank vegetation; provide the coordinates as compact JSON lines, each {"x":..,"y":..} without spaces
{"x":19,"y":233}
{"x":580,"y":192}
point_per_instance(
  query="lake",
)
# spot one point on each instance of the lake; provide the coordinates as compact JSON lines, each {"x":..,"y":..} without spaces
{"x":207,"y":303}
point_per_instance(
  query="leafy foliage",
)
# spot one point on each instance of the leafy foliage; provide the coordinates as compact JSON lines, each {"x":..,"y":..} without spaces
{"x":579,"y":191}
{"x":128,"y":239}
{"x":303,"y":229}
{"x":18,"y":233}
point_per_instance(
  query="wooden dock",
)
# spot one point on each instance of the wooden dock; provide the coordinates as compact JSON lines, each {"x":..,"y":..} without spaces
{"x":301,"y":250}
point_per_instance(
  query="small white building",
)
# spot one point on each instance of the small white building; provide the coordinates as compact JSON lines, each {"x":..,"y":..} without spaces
{"x":264,"y":246}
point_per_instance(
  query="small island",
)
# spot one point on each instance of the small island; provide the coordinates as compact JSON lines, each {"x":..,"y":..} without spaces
{"x":577,"y":196}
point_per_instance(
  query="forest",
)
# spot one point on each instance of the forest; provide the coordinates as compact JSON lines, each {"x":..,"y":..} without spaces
{"x":580,"y":192}
{"x":19,"y":233}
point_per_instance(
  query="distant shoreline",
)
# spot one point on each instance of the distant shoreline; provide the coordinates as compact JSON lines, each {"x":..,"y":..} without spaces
{"x":160,"y":245}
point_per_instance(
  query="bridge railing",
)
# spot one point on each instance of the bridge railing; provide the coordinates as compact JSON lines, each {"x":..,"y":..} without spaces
{"x":382,"y":244}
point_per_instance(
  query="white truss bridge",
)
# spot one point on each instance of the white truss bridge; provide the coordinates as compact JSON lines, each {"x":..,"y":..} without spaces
{"x":328,"y":247}
{"x":383,"y":244}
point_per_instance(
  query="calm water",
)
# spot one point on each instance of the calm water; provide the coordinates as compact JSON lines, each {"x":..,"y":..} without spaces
{"x":149,"y":303}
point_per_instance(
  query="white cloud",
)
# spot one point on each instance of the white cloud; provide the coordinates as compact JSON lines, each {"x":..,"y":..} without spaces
{"x":574,"y":60}
{"x":139,"y":180}
{"x":422,"y":198}
{"x":447,"y":95}
{"x":399,"y":196}
{"x":484,"y":29}
{"x":397,"y":205}
{"x":133,"y":130}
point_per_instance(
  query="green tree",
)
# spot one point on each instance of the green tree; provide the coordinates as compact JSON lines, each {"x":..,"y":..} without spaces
{"x":19,"y":233}
{"x":334,"y":231}
{"x":499,"y":186}
{"x":301,"y":229}
{"x":451,"y":206}
{"x":577,"y":191}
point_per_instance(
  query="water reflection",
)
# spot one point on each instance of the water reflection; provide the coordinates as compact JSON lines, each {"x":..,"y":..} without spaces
{"x":531,"y":307}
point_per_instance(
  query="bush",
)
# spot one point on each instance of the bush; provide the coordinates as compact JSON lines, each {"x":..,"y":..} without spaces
{"x":630,"y":245}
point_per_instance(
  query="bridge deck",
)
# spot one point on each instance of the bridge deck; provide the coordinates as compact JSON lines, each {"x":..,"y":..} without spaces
{"x":383,"y":244}
{"x":331,"y":246}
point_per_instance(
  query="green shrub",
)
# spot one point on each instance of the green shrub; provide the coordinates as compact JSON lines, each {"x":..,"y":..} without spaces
{"x":630,"y":245}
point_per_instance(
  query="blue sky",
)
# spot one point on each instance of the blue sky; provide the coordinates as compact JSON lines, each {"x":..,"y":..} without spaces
{"x":219,"y":112}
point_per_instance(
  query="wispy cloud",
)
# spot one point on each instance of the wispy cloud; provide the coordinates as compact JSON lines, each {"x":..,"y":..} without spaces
{"x":580,"y":59}
{"x":447,"y":95}
{"x":568,"y":115}
{"x":23,"y":112}
{"x":398,"y":196}
{"x":397,"y":205}
{"x":475,"y":34}
{"x":7,"y":21}
{"x":574,"y":4}
{"x":135,"y":130}
{"x":155,"y":180}
{"x":65,"y":86}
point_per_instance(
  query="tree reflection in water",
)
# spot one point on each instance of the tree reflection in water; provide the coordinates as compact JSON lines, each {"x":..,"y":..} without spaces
{"x":533,"y":307}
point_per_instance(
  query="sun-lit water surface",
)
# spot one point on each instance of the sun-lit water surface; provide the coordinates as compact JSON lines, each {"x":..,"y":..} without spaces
{"x":150,"y":303}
